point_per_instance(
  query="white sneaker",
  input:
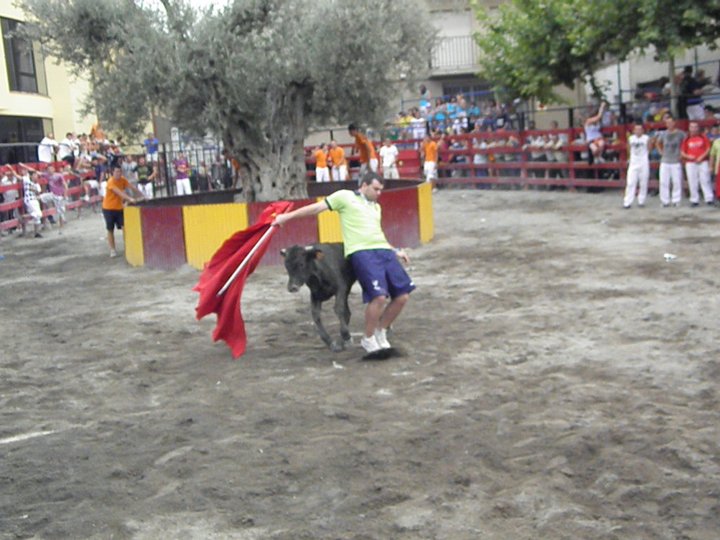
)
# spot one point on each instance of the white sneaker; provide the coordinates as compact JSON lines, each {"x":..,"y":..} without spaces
{"x":381,"y":338}
{"x":370,"y":344}
{"x":113,"y":254}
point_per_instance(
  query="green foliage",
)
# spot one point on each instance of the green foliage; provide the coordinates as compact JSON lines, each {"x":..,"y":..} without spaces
{"x":237,"y":65}
{"x":531,"y":46}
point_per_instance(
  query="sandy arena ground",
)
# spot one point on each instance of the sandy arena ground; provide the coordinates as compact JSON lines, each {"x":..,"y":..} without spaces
{"x":560,"y":381}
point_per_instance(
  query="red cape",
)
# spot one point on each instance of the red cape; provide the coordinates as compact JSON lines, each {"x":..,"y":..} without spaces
{"x":230,"y":326}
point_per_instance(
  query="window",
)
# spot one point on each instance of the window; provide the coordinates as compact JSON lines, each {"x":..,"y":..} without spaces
{"x":24,"y":59}
{"x":19,"y":136}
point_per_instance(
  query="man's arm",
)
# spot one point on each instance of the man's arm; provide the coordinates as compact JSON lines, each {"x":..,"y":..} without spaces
{"x":306,"y":211}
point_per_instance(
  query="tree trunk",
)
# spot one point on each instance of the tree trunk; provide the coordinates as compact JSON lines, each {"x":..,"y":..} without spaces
{"x":673,"y":87}
{"x":272,"y":159}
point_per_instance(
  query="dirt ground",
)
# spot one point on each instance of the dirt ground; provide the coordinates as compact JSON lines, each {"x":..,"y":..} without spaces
{"x":560,"y":381}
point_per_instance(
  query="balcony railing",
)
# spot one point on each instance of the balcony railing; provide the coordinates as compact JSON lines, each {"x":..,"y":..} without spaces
{"x":457,"y":54}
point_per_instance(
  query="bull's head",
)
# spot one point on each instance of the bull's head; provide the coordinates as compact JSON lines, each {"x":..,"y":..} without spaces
{"x":299,"y":263}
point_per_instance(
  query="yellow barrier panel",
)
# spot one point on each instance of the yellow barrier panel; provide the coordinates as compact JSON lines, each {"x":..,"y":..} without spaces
{"x":132,"y":236}
{"x":207,"y":226}
{"x":329,"y":226}
{"x":425,"y":212}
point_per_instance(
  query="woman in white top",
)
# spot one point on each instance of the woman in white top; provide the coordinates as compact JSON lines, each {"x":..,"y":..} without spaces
{"x":593,"y":133}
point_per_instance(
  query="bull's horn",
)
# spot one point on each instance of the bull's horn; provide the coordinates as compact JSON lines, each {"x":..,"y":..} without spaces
{"x":283,"y":252}
{"x":309,"y":248}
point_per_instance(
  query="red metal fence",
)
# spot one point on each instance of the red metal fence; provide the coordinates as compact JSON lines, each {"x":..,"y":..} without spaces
{"x":12,"y":212}
{"x":506,"y":157}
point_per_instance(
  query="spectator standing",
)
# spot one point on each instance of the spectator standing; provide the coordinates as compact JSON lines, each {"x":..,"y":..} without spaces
{"x":31,"y":190}
{"x":425,"y":100}
{"x":112,"y":206}
{"x":152,"y":147}
{"x":182,"y":175}
{"x":67,"y":148}
{"x":366,"y":149}
{"x":429,"y":155}
{"x":376,"y":264}
{"x":146,"y":175}
{"x":668,"y":143}
{"x":339,"y":163}
{"x":129,"y":169}
{"x":9,"y":178}
{"x":638,"y":172}
{"x":57,"y":187}
{"x":695,"y":150}
{"x":690,"y":101}
{"x":389,"y":153}
{"x":322,"y":173}
{"x":418,"y":127}
{"x":47,"y":148}
{"x":715,"y":163}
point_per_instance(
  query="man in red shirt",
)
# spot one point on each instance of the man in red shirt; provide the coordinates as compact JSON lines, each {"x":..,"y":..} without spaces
{"x":694,"y":150}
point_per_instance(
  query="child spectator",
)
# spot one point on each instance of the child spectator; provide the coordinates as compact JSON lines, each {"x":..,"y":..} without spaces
{"x":31,"y":190}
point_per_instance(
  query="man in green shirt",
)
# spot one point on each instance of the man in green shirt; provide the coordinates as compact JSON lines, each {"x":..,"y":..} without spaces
{"x":715,"y":166}
{"x":375,"y":262}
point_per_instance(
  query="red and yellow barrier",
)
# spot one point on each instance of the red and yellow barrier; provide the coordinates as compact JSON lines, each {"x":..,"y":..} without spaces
{"x":163,"y":235}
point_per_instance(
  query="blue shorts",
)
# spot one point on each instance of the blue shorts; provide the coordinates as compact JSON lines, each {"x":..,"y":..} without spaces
{"x":380,"y":274}
{"x":113,"y":219}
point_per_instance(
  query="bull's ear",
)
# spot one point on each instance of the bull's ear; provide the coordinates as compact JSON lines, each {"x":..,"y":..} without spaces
{"x":283,"y":252}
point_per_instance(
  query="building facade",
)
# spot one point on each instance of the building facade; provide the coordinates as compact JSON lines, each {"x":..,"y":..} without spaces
{"x":37,"y":95}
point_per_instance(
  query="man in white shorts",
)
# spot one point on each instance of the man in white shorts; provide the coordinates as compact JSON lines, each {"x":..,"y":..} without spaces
{"x":668,"y":143}
{"x":31,"y":190}
{"x":389,"y":154}
{"x":638,"y":168}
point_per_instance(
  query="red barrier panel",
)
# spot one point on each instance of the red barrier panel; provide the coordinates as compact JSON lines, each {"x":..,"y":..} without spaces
{"x":163,"y":237}
{"x":400,"y":219}
{"x":303,"y":231}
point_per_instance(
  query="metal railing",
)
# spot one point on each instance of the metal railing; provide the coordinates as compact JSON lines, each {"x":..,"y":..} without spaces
{"x":457,"y":54}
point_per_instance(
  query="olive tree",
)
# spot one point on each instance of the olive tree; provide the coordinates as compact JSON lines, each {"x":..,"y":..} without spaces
{"x":258,"y":73}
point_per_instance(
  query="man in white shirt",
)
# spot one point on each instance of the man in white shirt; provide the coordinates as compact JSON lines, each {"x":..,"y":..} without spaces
{"x":638,"y":167}
{"x":67,"y":149}
{"x":389,"y":154}
{"x":47,"y":148}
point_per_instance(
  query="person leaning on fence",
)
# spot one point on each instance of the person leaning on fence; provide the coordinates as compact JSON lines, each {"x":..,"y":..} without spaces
{"x":146,"y":175}
{"x":695,"y":150}
{"x":638,"y":172}
{"x":112,"y":206}
{"x":668,"y":144}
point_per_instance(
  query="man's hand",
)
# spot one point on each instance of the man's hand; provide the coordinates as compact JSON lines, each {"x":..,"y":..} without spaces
{"x":403,"y":256}
{"x":280,"y":220}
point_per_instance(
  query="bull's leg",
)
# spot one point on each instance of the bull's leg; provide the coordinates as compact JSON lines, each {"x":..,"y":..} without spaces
{"x":342,"y":310}
{"x":316,"y":310}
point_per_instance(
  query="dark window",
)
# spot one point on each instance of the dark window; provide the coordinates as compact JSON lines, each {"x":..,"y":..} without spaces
{"x":19,"y":137}
{"x":24,"y":59}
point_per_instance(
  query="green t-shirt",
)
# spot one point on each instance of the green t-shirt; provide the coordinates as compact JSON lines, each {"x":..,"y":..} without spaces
{"x":715,"y":153}
{"x":360,"y":221}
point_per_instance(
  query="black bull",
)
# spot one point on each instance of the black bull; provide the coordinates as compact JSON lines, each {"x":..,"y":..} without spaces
{"x":327,"y":273}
